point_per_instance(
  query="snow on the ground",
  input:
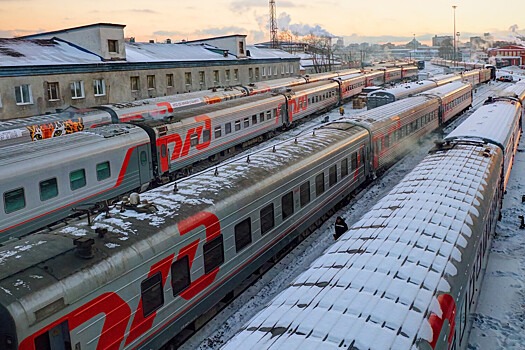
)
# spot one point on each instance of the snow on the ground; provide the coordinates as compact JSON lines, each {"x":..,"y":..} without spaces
{"x":488,"y":324}
{"x":499,"y":321}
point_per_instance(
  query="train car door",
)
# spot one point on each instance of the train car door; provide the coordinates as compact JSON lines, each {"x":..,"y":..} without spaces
{"x":145,"y":162}
{"x":57,"y":338}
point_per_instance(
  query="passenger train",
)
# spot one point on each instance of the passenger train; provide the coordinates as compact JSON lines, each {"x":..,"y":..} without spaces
{"x":138,"y":274}
{"x":407,"y":275}
{"x":69,"y":121}
{"x":466,"y":65}
{"x":388,"y":95}
{"x":42,"y":182}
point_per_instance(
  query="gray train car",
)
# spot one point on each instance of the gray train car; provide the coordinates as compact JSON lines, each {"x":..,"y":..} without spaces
{"x":150,"y":274}
{"x":405,"y":276}
{"x":498,"y":123}
{"x":384,"y":96}
{"x":454,"y":97}
{"x":42,"y":182}
{"x":395,"y":127}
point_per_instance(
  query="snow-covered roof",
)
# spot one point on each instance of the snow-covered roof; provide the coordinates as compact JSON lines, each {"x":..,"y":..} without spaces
{"x":42,"y":52}
{"x":262,"y":53}
{"x":155,"y":52}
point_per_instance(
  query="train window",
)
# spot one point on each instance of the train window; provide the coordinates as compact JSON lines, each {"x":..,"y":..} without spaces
{"x":14,"y":200}
{"x":387,"y":141}
{"x":319,"y":184}
{"x":354,"y":161}
{"x":228,"y":128}
{"x":48,"y":189}
{"x":180,"y":275}
{"x":151,"y":294}
{"x":77,"y":179}
{"x":305,"y":194}
{"x":332,"y":175}
{"x":243,"y":234}
{"x":194,"y":139}
{"x":213,"y":254}
{"x":206,"y":135}
{"x":344,"y":167}
{"x":57,"y":337}
{"x":267,"y":218}
{"x":143,"y":158}
{"x":287,"y":205}
{"x":261,"y":117}
{"x":269,"y":115}
{"x":218,"y":132}
{"x":237,"y":125}
{"x":254,"y":119}
{"x":103,"y":171}
{"x":246,"y":122}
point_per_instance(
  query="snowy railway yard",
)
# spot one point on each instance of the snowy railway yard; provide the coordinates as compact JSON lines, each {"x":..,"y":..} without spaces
{"x":500,"y":314}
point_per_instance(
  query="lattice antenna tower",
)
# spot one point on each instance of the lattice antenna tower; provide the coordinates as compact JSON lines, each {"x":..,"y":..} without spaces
{"x":273,"y":25}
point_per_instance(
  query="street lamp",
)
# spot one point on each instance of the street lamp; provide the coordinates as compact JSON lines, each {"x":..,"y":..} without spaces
{"x":454,"y":57}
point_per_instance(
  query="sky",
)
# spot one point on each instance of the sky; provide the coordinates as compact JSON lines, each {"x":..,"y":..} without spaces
{"x":378,"y":21}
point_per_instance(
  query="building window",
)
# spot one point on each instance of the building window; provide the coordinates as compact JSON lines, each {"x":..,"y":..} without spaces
{"x":213,"y":252}
{"x":187,"y":78}
{"x":263,"y":71}
{"x":23,"y":94}
{"x":241,"y":48}
{"x":180,"y":275}
{"x":99,"y":87}
{"x":235,"y":74}
{"x":113,"y":46}
{"x":257,"y":73}
{"x":227,"y":73}
{"x":77,"y":179}
{"x":53,"y":92}
{"x":14,"y":200}
{"x":216,"y":77}
{"x":169,"y":80}
{"x":103,"y":171}
{"x":77,"y":89}
{"x":275,"y":70}
{"x":135,"y":83}
{"x":267,"y":218}
{"x":48,"y":189}
{"x":250,"y":73}
{"x":151,"y":294}
{"x":202,"y":77}
{"x":243,"y":234}
{"x":151,"y":82}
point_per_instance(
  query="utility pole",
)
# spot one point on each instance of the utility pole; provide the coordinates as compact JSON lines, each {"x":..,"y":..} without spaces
{"x":454,"y":57}
{"x":273,"y":26}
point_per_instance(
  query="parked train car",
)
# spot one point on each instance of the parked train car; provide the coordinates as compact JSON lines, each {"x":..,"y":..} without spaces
{"x":152,"y":274}
{"x":384,"y":96}
{"x":454,"y":98}
{"x":407,"y":275}
{"x":45,"y":180}
{"x":466,"y":65}
{"x":182,"y":139}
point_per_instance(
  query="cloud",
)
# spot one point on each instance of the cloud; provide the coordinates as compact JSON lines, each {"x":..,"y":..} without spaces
{"x":243,"y":6}
{"x":143,"y":11}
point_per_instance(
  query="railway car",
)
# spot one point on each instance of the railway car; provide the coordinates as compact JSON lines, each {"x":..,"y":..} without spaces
{"x":406,"y":275}
{"x":417,"y":259}
{"x":409,"y":73}
{"x":384,"y":96}
{"x":375,"y":78}
{"x":498,"y":123}
{"x":454,"y":98}
{"x":350,"y":85}
{"x":442,"y":79}
{"x":392,"y":75}
{"x":44,"y":181}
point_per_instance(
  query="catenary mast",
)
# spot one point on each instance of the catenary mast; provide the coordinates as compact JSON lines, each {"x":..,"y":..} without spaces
{"x":273,"y":26}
